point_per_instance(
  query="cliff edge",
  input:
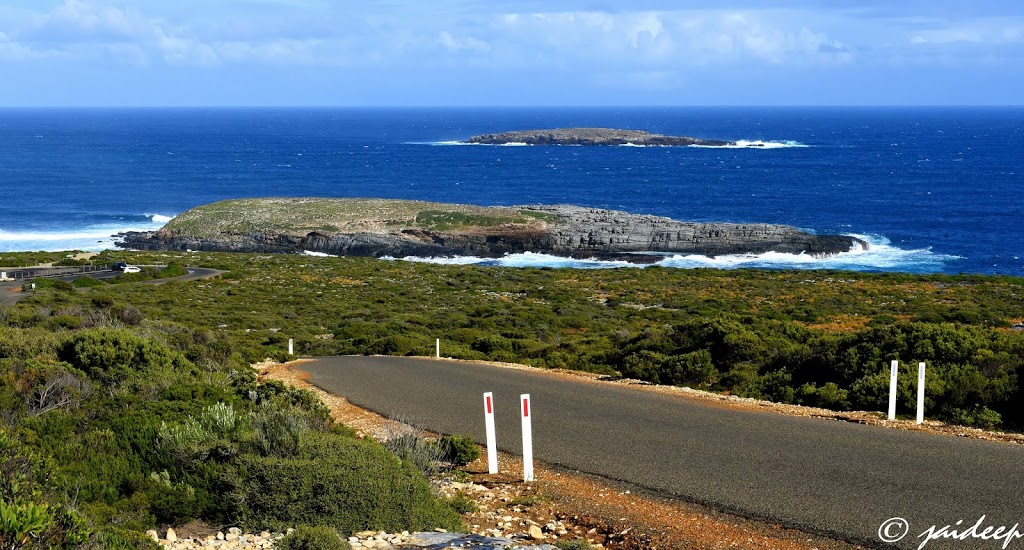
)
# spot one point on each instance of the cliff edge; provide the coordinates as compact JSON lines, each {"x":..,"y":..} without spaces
{"x":378,"y":227}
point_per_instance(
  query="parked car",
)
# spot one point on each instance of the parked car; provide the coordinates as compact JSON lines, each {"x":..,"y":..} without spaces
{"x":118,"y":266}
{"x":131,"y":269}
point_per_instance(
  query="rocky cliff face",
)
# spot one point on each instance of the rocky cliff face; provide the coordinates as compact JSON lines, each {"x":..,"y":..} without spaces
{"x":568,"y":231}
{"x":592,"y":136}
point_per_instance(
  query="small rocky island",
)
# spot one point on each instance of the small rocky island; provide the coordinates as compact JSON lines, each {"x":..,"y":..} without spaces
{"x":593,"y":136}
{"x":379,"y":227}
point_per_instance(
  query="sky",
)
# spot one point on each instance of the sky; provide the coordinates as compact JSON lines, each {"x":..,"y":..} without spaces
{"x":510,"y":53}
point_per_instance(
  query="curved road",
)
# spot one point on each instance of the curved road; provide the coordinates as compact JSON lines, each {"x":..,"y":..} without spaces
{"x":833,"y":477}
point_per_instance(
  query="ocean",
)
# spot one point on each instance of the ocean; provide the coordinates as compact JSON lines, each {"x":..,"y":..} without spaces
{"x":933,"y":190}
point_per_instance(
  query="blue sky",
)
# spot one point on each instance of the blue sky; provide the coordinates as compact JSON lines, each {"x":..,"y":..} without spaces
{"x":500,"y":52}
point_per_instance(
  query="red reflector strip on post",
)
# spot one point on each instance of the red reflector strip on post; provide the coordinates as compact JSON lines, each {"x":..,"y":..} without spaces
{"x":526,"y":407}
{"x":489,"y":411}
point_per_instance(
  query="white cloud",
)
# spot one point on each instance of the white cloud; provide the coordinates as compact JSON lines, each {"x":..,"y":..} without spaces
{"x":1000,"y":31}
{"x":476,"y":35}
{"x":464,"y":44}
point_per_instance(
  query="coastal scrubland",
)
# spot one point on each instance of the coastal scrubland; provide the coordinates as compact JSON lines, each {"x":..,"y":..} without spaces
{"x":300,"y":216}
{"x":127,"y":405}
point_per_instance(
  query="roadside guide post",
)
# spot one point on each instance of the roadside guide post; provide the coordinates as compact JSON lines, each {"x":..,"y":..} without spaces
{"x":437,"y":348}
{"x":492,"y":446}
{"x":527,"y":438}
{"x":291,"y":346}
{"x":892,"y":390}
{"x":920,"y":392}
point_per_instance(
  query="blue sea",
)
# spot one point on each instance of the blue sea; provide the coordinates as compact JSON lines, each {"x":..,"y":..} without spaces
{"x":933,"y":190}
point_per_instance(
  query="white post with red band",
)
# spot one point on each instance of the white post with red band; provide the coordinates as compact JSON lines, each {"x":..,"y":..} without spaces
{"x":291,"y":346}
{"x":892,"y":389}
{"x":492,"y":446}
{"x":526,"y":411}
{"x":920,"y":393}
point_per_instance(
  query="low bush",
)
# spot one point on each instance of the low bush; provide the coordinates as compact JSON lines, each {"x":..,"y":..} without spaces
{"x":459,"y":449}
{"x":320,"y":537}
{"x":348,"y":484}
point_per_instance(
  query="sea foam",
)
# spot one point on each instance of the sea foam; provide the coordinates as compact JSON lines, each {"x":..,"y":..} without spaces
{"x":880,"y":255}
{"x":89,"y":238}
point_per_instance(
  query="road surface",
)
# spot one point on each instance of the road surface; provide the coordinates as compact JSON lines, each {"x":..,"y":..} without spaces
{"x":830,"y":477}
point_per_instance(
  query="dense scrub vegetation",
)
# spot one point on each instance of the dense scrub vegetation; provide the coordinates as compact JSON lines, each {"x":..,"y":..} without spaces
{"x":111,"y":424}
{"x":123,"y":406}
{"x":816,"y":338}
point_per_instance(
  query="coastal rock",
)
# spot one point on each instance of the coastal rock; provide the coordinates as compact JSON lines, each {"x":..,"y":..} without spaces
{"x":561,"y":230}
{"x":592,"y":136}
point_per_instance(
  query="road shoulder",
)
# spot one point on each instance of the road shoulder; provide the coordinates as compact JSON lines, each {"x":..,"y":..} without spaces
{"x":602,"y":511}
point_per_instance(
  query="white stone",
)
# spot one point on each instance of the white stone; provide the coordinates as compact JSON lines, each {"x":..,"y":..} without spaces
{"x":171,"y":535}
{"x":535,"y":533}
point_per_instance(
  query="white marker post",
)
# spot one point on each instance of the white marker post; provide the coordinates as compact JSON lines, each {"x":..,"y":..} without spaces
{"x":920,"y":393}
{"x":492,"y":445}
{"x":437,"y":348}
{"x":527,"y":438}
{"x":291,"y":346}
{"x":892,"y":389}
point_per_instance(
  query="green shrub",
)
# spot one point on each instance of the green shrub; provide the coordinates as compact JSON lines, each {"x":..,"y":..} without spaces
{"x":575,"y":544}
{"x":979,"y":417}
{"x":114,"y":538}
{"x":459,"y":449}
{"x":42,"y":283}
{"x":462,"y":503}
{"x":830,"y":396}
{"x":426,"y":455}
{"x":86,"y":282}
{"x":279,"y":429}
{"x":305,"y":537}
{"x":348,"y":484}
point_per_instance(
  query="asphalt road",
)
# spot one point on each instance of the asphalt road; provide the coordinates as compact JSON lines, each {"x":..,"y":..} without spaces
{"x":830,"y":477}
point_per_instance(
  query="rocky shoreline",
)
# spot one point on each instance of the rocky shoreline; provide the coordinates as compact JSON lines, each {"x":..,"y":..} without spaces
{"x":593,"y":136}
{"x":560,"y":230}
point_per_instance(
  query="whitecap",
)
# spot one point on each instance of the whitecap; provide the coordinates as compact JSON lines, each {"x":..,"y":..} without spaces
{"x":91,"y":238}
{"x":879,"y":255}
{"x":757,"y":144}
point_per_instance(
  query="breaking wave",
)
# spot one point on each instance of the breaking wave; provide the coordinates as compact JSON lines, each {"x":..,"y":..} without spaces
{"x":879,"y":256}
{"x":90,"y":238}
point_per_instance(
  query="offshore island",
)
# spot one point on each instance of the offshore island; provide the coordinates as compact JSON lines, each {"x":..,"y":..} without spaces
{"x":399,"y":228}
{"x":593,"y":136}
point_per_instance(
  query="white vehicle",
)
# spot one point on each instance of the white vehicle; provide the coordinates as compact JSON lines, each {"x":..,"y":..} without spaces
{"x":131,"y":269}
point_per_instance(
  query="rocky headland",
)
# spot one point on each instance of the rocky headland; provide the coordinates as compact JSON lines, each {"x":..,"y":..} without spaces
{"x":377,"y":227}
{"x":593,"y":136}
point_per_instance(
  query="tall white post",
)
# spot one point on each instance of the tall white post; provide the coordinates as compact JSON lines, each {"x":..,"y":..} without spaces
{"x":291,"y":346}
{"x":920,"y":393}
{"x":527,"y":437}
{"x":437,"y":348}
{"x":492,"y":446}
{"x":892,"y":389}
